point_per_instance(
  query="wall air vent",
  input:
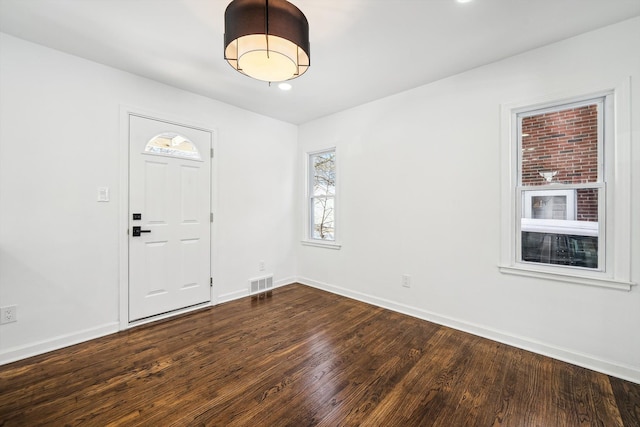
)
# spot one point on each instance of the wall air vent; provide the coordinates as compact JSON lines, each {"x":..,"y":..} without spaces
{"x":261,"y":287}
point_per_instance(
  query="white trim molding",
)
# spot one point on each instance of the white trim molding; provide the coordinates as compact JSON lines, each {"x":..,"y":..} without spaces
{"x":62,"y":341}
{"x":239,"y":294}
{"x":319,"y":244}
{"x":568,"y":278}
{"x":614,"y":270}
{"x":123,"y":213}
{"x":629,"y":373}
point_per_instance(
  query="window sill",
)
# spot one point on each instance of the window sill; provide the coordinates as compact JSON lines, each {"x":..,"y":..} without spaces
{"x":568,"y":278}
{"x":319,"y":244}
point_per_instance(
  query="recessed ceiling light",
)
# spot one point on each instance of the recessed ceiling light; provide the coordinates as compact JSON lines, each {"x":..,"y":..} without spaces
{"x":285,"y":86}
{"x":464,"y":1}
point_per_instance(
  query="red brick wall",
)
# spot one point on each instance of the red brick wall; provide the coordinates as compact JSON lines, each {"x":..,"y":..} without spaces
{"x":567,"y":142}
{"x":587,"y":204}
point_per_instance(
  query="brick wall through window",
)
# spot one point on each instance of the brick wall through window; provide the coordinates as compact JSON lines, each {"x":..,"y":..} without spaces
{"x":563,"y":145}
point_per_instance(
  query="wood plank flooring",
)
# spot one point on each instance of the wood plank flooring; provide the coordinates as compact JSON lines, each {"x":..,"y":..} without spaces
{"x":303,"y":358}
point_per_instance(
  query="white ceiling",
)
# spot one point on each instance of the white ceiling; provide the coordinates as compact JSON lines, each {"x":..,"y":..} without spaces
{"x":361,"y":50}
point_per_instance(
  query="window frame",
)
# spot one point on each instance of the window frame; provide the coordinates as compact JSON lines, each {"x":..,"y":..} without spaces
{"x":309,"y":198}
{"x":604,"y":114}
{"x":614,"y":197}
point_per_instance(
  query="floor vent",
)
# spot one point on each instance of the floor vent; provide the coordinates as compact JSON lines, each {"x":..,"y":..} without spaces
{"x":261,"y":287}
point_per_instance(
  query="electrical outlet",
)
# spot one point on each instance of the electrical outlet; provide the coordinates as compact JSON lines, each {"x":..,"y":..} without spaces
{"x":261,"y":265}
{"x":103,"y":194}
{"x":406,"y":280}
{"x":8,"y":314}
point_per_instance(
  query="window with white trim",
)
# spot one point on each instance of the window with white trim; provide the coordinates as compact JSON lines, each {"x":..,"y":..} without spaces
{"x":559,"y":186}
{"x":322,"y":195}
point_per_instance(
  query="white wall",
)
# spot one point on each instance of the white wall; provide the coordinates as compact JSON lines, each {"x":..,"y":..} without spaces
{"x":60,"y":140}
{"x":427,"y":161}
{"x":419,"y":182}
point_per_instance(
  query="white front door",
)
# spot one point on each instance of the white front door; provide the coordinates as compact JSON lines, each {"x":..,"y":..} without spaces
{"x":169,"y":225}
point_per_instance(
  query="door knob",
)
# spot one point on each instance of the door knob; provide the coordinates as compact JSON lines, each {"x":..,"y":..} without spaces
{"x":137,"y":230}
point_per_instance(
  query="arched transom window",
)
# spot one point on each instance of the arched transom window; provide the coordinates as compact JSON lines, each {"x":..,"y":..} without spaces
{"x":173,"y":145}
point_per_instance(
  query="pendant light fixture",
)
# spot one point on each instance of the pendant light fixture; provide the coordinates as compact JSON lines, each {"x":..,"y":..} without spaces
{"x":266,"y":39}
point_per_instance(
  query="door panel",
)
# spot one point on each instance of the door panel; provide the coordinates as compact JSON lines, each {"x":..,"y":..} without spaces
{"x":155,"y":183}
{"x":169,"y":262}
{"x":189,"y":192}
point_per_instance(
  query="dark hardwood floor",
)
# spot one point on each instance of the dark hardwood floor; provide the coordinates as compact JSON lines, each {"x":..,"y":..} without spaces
{"x":306,"y":357}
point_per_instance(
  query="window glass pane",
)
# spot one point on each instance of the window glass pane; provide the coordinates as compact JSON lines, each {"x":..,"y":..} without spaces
{"x":322,"y":211}
{"x":324,"y":174}
{"x":549,"y":204}
{"x":561,"y":227}
{"x":172,"y":144}
{"x":560,"y":147}
{"x":549,"y":207}
{"x":560,"y":249}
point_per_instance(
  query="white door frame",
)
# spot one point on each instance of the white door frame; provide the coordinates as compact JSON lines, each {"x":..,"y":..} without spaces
{"x":123,"y":210}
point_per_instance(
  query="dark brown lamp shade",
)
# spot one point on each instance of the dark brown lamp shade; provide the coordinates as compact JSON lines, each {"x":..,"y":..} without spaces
{"x":266,"y":39}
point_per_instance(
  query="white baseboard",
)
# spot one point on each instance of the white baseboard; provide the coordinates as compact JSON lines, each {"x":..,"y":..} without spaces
{"x":45,"y":346}
{"x":18,"y":353}
{"x":230,"y":296}
{"x":594,"y":363}
{"x":618,"y":370}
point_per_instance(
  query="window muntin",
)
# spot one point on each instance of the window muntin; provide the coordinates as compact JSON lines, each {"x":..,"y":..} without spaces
{"x":172,"y":145}
{"x":561,"y":185}
{"x":322,"y":195}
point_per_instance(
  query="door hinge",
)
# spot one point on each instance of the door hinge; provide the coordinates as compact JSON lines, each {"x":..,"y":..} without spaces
{"x":211,"y":217}
{"x":212,"y":153}
{"x":211,"y":281}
